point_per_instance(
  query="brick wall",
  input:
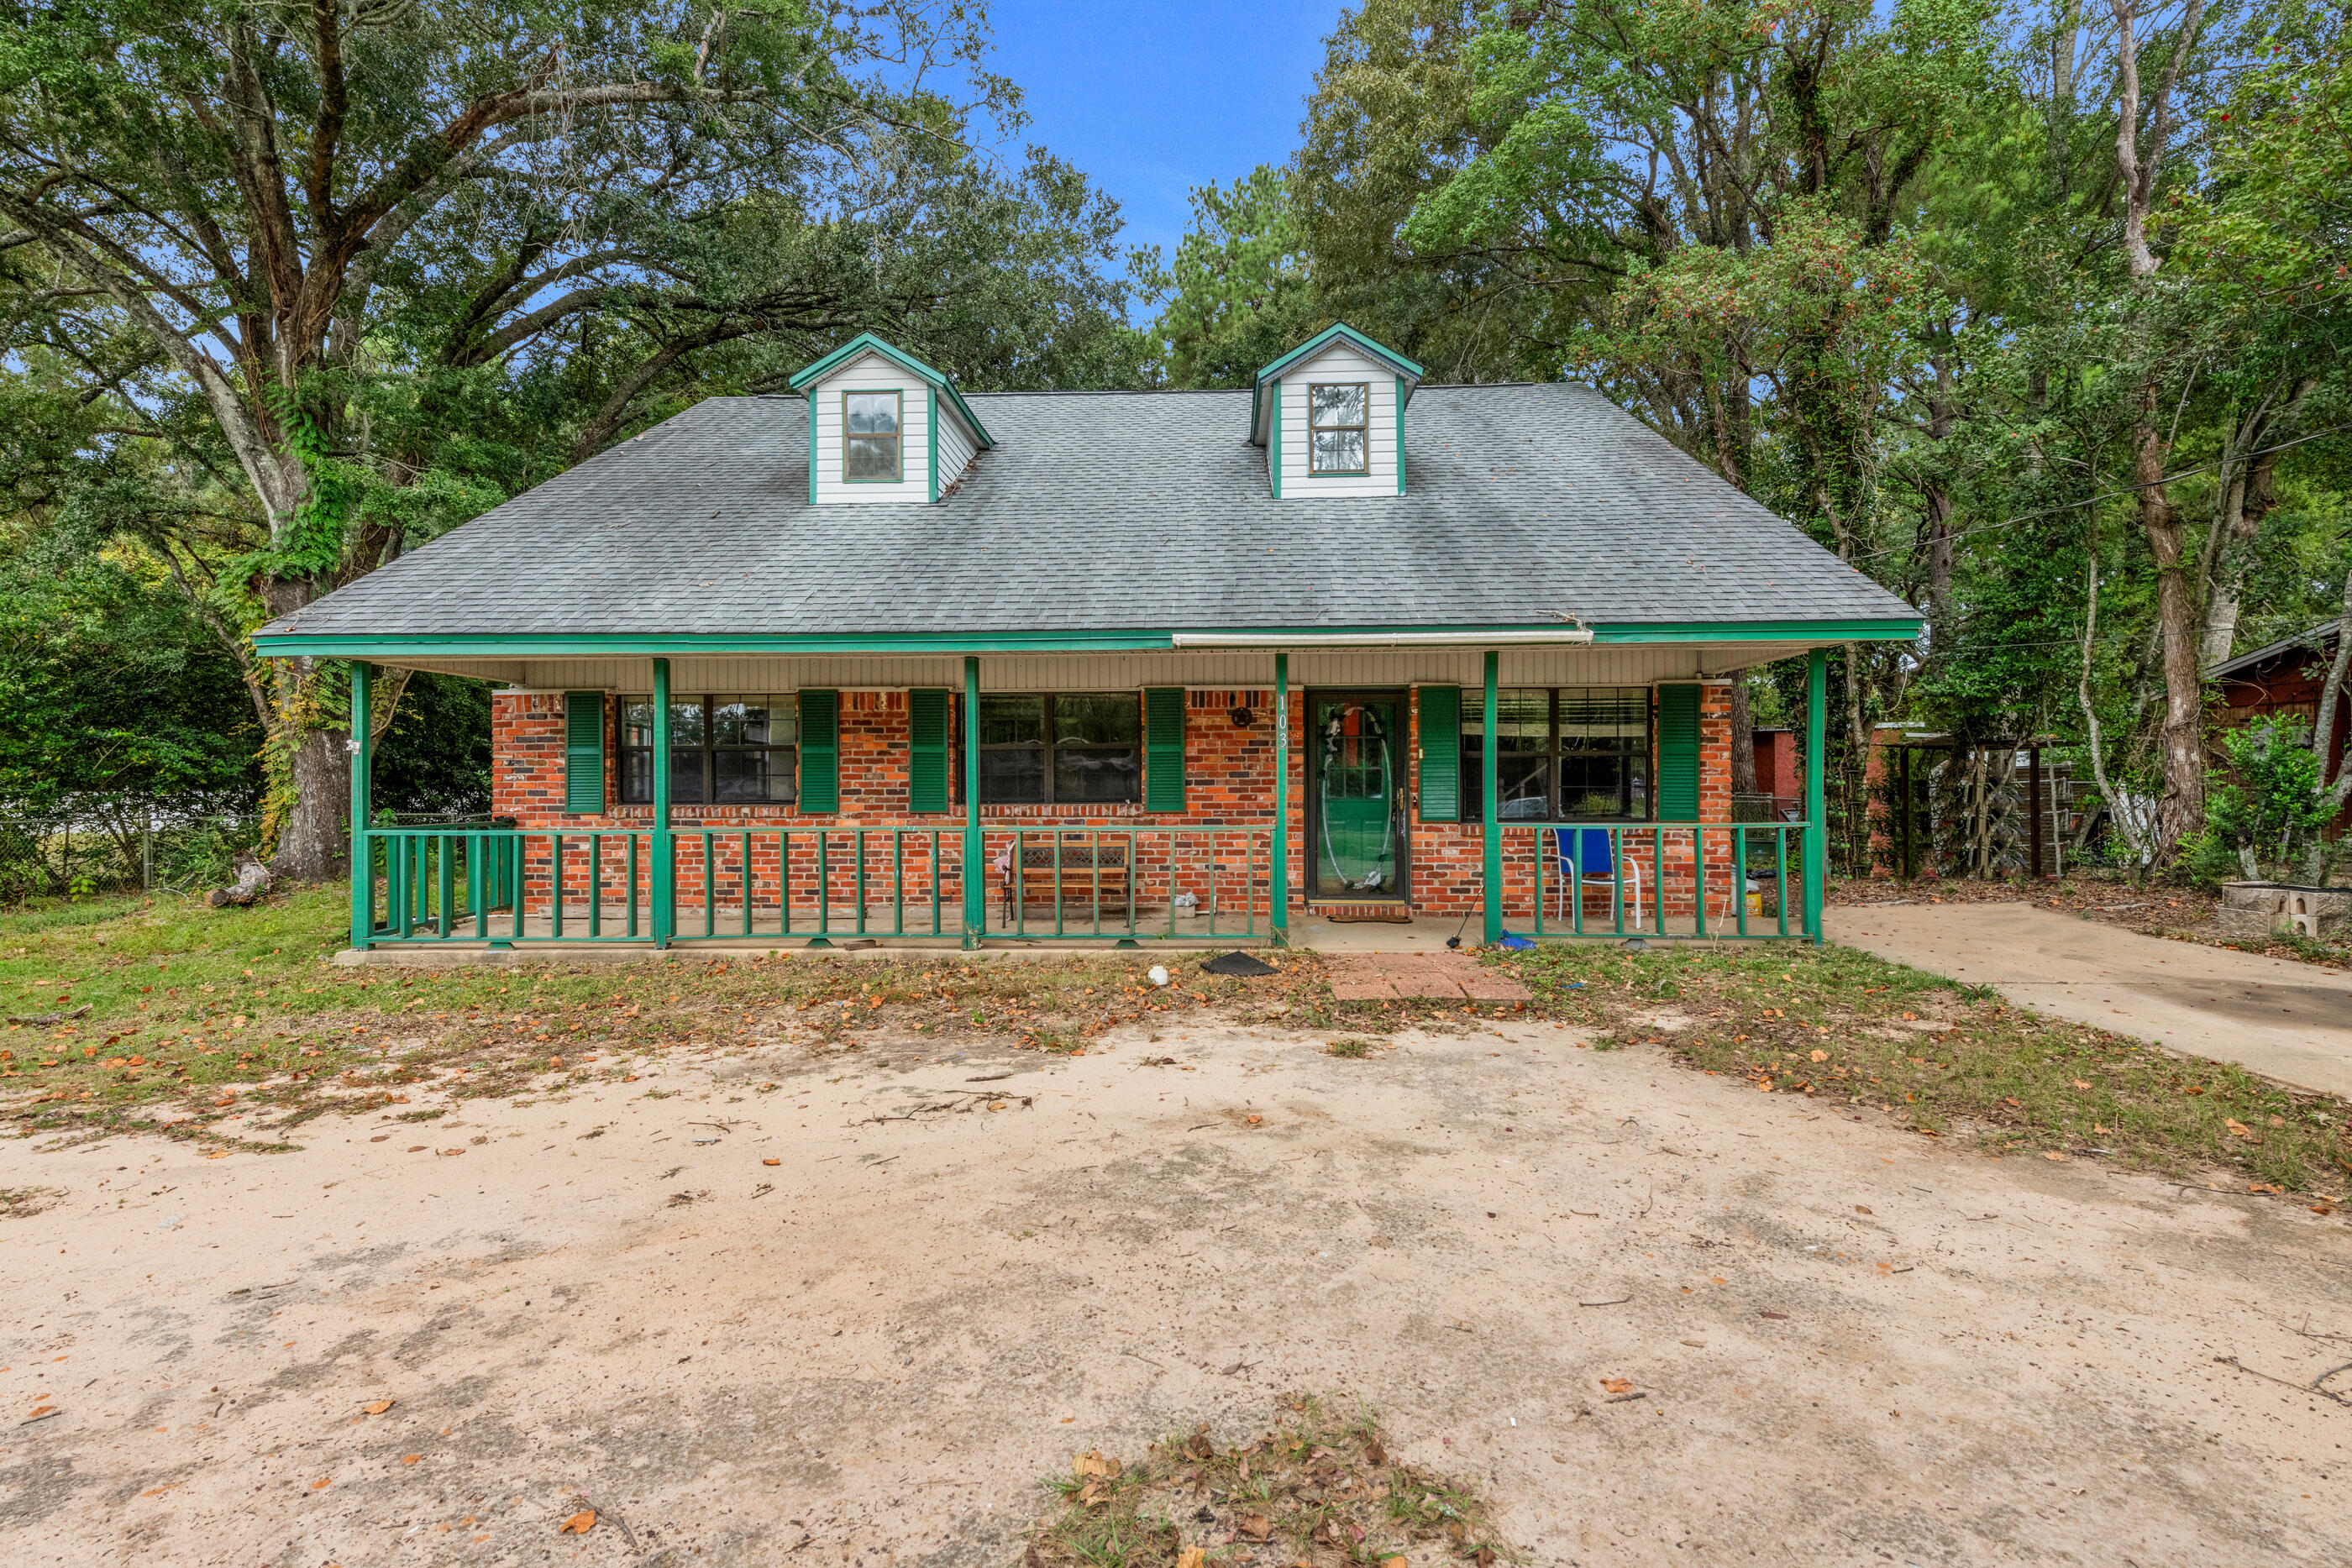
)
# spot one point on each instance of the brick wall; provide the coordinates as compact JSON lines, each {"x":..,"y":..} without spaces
{"x":1217,"y":843}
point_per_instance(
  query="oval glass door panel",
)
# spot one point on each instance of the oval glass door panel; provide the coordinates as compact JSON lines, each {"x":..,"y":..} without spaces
{"x":1358,"y":797}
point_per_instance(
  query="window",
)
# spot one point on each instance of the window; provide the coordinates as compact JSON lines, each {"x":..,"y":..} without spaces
{"x":1577,"y":751}
{"x":724,"y":750}
{"x":1079,"y":750}
{"x":869,"y":437}
{"x":1338,"y":439}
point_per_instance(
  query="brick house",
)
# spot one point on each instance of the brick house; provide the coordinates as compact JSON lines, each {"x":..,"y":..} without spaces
{"x":1155,"y":666}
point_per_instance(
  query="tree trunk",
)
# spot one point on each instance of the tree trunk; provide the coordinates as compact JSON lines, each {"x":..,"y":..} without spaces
{"x":311,"y":843}
{"x":2180,"y":740}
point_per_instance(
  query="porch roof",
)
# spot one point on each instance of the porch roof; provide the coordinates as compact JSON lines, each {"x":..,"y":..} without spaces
{"x":1110,"y":520}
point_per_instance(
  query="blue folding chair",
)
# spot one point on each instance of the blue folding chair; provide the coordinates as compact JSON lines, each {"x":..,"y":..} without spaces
{"x":1586,"y":851}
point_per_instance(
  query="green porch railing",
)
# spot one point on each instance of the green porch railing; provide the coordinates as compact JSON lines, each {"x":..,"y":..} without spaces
{"x":1655,"y":868}
{"x":1057,"y":882}
{"x":1163,"y":883}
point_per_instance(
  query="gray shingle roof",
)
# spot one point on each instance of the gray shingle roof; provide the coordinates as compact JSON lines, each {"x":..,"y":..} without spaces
{"x":1105,"y":512}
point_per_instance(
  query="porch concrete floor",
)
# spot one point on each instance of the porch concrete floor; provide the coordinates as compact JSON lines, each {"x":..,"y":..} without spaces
{"x":1856,"y":1344}
{"x":1422,"y":934}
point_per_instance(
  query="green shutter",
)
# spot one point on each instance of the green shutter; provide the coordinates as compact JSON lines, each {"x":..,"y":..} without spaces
{"x":583,"y":753}
{"x":1441,"y":754}
{"x":820,"y":751}
{"x":1163,"y":748}
{"x":1678,"y":754}
{"x":927,"y":751}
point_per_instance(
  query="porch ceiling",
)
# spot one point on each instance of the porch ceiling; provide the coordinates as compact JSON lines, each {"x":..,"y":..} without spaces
{"x":1632,"y":665}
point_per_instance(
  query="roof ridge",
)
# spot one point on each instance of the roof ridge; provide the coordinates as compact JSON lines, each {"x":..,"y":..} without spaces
{"x":1174,"y":392}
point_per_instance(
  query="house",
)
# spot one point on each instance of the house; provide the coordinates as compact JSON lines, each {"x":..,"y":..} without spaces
{"x":2285,"y":680}
{"x":884,"y":659}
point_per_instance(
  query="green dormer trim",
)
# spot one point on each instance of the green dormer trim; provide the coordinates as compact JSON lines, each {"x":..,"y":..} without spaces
{"x":1408,"y":373}
{"x":808,"y":376}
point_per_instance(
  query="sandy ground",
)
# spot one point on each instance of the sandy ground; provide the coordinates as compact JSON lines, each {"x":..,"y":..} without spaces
{"x":1857,"y":1345}
{"x":2287,"y":1019}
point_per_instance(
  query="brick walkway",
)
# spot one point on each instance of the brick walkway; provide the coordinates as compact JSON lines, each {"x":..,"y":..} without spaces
{"x":1392,"y":976}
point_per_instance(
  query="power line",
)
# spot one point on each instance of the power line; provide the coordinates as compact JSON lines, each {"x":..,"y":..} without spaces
{"x":2103,"y":495}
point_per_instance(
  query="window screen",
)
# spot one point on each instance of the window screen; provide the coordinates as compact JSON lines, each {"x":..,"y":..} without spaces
{"x":724,"y":750}
{"x":1081,"y":749}
{"x":1577,"y":751}
{"x":1337,"y":427}
{"x":869,"y":435}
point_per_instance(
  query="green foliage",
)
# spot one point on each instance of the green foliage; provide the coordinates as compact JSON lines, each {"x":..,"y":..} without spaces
{"x":2266,"y":807}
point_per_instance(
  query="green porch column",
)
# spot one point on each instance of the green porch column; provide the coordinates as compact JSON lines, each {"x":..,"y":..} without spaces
{"x":362,"y":853}
{"x":1817,"y":837}
{"x":1489,"y":751}
{"x":1278,"y":873}
{"x":664,"y":866}
{"x":975,"y":842}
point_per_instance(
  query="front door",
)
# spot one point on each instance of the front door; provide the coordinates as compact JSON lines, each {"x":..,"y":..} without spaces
{"x":1356,"y":796}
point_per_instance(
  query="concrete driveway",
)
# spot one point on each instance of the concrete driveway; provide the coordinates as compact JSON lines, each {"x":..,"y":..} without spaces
{"x":2285,"y":1020}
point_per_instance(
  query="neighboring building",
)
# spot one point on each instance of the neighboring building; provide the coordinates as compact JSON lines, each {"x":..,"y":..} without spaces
{"x":754,"y":661}
{"x":2285,"y":679}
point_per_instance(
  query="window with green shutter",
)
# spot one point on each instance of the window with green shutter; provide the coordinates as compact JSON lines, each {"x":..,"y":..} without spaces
{"x":927,"y":751}
{"x":1163,"y":748}
{"x":820,"y":752}
{"x":1441,"y":754}
{"x":1678,"y":754}
{"x":583,"y":753}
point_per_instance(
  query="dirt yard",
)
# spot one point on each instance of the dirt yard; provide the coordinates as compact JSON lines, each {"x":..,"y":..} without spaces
{"x":1852,"y":1345}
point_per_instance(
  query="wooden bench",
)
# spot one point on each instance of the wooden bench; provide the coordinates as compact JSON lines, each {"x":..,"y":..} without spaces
{"x":1090,"y":875}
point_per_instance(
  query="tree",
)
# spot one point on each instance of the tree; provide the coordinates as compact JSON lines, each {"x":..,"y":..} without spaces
{"x":352,"y":271}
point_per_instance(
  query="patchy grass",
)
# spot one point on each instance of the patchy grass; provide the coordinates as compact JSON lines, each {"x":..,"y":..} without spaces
{"x":1840,"y":1026}
{"x":196,"y":1014}
{"x":1355,"y":1047}
{"x":1314,"y":1488}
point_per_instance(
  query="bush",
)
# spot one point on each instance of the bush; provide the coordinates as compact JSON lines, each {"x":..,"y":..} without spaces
{"x":2264,"y":811}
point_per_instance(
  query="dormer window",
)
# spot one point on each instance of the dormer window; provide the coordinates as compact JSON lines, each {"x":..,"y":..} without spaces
{"x":884,"y":428}
{"x":1339,"y":421}
{"x":1330,"y":414}
{"x":870,"y":448}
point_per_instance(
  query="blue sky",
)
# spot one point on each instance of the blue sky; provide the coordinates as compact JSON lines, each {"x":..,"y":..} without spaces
{"x":1154,"y":99}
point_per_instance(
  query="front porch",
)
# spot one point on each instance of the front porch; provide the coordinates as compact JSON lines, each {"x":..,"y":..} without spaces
{"x":1255,"y":842}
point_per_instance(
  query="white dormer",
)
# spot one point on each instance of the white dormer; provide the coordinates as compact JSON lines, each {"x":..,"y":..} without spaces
{"x":1330,"y":414}
{"x":884,"y":426}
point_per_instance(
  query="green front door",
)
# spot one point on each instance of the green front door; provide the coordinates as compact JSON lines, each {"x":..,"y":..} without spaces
{"x":1356,"y":801}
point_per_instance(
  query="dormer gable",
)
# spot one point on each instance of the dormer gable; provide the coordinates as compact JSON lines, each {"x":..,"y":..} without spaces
{"x":884,"y":426}
{"x":1330,"y":414}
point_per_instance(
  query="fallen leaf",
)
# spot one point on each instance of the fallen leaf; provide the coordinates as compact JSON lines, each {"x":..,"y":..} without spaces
{"x":1395,"y":1563}
{"x":1094,"y":1494}
{"x":322,"y":1483}
{"x":376,"y":1406}
{"x":1193,"y":1557}
{"x":1859,"y":1208}
{"x":2082,"y":1084}
{"x":1374,"y":1454}
{"x":2237,"y":1128}
{"x":2054,"y":1155}
{"x":1254,"y":1121}
{"x":1092,"y":1463}
{"x":580,"y":1523}
{"x":1821,"y":1056}
{"x":1780,"y":1316}
{"x":1256,"y":1525}
{"x":772,"y":1162}
{"x":410,"y":1458}
{"x":1617,"y":1385}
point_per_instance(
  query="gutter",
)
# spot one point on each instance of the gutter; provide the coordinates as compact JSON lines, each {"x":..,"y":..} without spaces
{"x":1565,"y":635}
